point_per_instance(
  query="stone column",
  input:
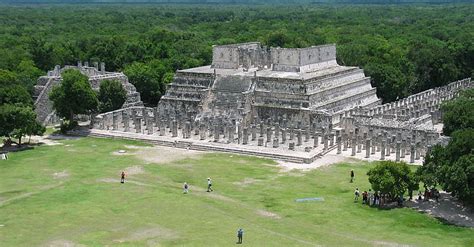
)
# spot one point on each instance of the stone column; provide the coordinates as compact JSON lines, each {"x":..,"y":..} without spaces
{"x":253,"y":129}
{"x":397,"y":151}
{"x":418,"y":149}
{"x":262,"y":130}
{"x":114,"y":121}
{"x":382,"y":149}
{"x":216,"y":133}
{"x":260,"y":141}
{"x":307,"y":134}
{"x":331,"y":139}
{"x":412,"y":153}
{"x":338,"y":141}
{"x":162,"y":127}
{"x":187,"y":130}
{"x":126,"y":123}
{"x":354,"y":146}
{"x":245,"y":136}
{"x":315,"y":144}
{"x":202,"y":132}
{"x":269,"y":134}
{"x":291,"y":146}
{"x":344,"y":142}
{"x":325,"y":140}
{"x":283,"y":135}
{"x":379,"y":142}
{"x":174,"y":128}
{"x":292,"y":134}
{"x":359,"y":144}
{"x":403,"y":150}
{"x":367,"y":148}
{"x":372,"y":151}
{"x":387,"y":146}
{"x":149,"y":126}
{"x":275,"y":143}
{"x":138,"y":125}
{"x":299,"y":137}
{"x":231,"y":130}
{"x":277,"y":130}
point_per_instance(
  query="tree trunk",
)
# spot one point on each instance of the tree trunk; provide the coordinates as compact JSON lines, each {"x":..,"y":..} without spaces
{"x":19,"y":141}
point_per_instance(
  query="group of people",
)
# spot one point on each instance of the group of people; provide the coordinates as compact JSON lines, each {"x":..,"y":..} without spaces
{"x":428,"y":194}
{"x":240,"y":231}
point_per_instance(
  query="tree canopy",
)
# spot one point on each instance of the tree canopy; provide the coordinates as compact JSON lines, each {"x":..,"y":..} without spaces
{"x":74,"y":95}
{"x":112,"y":95}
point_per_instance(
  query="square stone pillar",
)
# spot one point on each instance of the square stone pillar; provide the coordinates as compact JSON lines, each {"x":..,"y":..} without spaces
{"x":331,"y":139}
{"x":260,"y":141}
{"x":299,"y":137}
{"x":382,"y":149}
{"x":245,"y":134}
{"x":202,"y":131}
{"x":354,"y":146}
{"x":262,"y":129}
{"x":216,"y":133}
{"x":397,"y":151}
{"x":367,"y":148}
{"x":403,"y":149}
{"x":253,"y":129}
{"x":291,"y":146}
{"x":345,"y":140}
{"x":316,"y":141}
{"x":359,"y":144}
{"x":174,"y":128}
{"x":412,"y":153}
{"x":277,"y":130}
{"x":126,"y":121}
{"x":387,"y":147}
{"x":138,"y":125}
{"x":338,"y":141}
{"x":187,"y":130}
{"x":163,"y":128}
{"x":231,"y":131}
{"x":292,"y":134}
{"x":276,"y":143}
{"x":149,"y":126}
{"x":418,"y":151}
{"x":269,"y":134}
{"x":114,"y":121}
{"x":307,"y":134}
{"x":283,"y":135}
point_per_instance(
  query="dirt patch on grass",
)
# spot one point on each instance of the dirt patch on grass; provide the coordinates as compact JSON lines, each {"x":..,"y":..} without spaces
{"x":117,"y":180}
{"x":61,"y":175}
{"x":246,"y":182}
{"x":268,"y":214}
{"x":62,"y":243}
{"x":134,"y":170}
{"x":154,"y":235}
{"x":160,"y":154}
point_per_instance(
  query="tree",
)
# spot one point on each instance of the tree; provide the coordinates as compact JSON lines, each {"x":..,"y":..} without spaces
{"x":74,"y":95}
{"x":452,"y":166}
{"x":16,"y":95}
{"x":18,"y":121}
{"x":7,"y":78}
{"x":28,"y":74}
{"x":459,"y":113}
{"x":147,"y":81}
{"x":392,"y":178}
{"x":112,"y":95}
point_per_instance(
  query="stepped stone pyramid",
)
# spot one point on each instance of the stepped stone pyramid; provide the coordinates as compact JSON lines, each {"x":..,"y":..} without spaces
{"x":44,"y":107}
{"x":249,"y":82}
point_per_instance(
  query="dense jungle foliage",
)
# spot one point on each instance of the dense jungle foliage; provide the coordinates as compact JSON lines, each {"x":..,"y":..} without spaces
{"x":404,"y":48}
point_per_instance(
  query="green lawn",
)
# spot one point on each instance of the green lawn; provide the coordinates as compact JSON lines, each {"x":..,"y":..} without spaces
{"x":88,"y":207}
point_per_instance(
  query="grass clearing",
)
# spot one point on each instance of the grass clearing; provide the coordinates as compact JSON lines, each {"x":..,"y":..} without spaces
{"x":85,"y":204}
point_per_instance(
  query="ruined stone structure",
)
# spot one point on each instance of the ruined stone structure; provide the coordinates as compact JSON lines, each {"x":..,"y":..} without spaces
{"x":247,"y":83}
{"x":44,"y":107}
{"x":289,"y":104}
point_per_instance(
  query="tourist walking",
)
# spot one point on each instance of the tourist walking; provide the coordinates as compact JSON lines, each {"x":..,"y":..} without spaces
{"x":370,"y":197}
{"x":356,"y":193}
{"x":185,"y":188}
{"x":209,"y":185}
{"x":122,"y":177}
{"x":364,"y":197}
{"x":352,"y":175}
{"x":240,"y":235}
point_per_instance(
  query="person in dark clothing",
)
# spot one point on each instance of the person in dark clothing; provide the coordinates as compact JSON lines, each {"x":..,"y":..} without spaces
{"x":240,"y":235}
{"x":209,"y":185}
{"x":122,"y":179}
{"x":352,"y":175}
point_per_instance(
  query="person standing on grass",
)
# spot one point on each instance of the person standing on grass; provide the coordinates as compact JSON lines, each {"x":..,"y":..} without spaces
{"x":356,"y":193}
{"x":209,"y":185}
{"x":122,"y":177}
{"x":240,"y":235}
{"x":352,"y":175}
{"x":185,"y":188}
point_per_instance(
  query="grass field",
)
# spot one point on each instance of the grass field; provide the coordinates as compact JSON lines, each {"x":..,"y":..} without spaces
{"x":65,"y":194}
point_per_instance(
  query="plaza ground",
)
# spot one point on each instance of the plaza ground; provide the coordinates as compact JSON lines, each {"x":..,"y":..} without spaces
{"x":70,"y":195}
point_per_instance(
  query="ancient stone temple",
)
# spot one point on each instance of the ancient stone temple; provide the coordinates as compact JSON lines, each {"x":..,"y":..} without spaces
{"x":44,"y":107}
{"x":250,"y":82}
{"x":289,"y":104}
